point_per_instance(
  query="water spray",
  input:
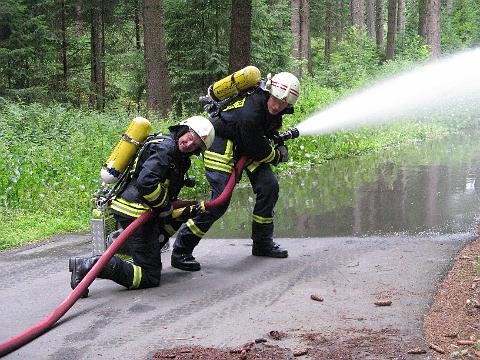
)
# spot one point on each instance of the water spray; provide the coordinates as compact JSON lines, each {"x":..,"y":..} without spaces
{"x":447,"y":87}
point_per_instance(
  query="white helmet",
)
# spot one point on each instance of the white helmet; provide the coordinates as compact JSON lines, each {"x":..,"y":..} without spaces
{"x":203,"y":128}
{"x":284,"y":86}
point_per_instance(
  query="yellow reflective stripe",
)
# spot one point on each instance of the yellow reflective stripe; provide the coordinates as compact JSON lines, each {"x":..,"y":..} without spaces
{"x":236,"y":104}
{"x":137,"y":206}
{"x":262,"y":220}
{"x":177,"y":212}
{"x":127,"y":208}
{"x":158,"y":191}
{"x":217,"y":157}
{"x":169,"y":229}
{"x":194,"y":228}
{"x":253,"y":165}
{"x":229,"y":148}
{"x":217,"y":166}
{"x":269,"y":157}
{"x":137,"y":277}
{"x":127,"y":258}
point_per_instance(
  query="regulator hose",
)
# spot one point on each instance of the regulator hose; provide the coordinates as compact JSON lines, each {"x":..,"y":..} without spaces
{"x":25,"y":337}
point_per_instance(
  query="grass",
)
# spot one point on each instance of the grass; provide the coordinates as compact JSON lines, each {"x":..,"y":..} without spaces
{"x":51,"y":157}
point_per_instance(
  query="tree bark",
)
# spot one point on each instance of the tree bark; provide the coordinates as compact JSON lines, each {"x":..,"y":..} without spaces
{"x":401,"y":17}
{"x":379,"y":22}
{"x":97,"y":96}
{"x":79,"y":30}
{"x":371,"y":18}
{"x":339,"y":21}
{"x":357,"y":11}
{"x":159,"y":96}
{"x":328,"y":29}
{"x":138,"y":40}
{"x":391,"y":29}
{"x":240,"y":35}
{"x":306,"y":53}
{"x":300,"y":26}
{"x":63,"y":36}
{"x":295,"y":26}
{"x":422,"y":19}
{"x":433,"y":26}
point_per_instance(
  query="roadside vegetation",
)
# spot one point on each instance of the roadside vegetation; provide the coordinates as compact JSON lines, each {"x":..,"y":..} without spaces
{"x":53,"y":145}
{"x":52,"y":156}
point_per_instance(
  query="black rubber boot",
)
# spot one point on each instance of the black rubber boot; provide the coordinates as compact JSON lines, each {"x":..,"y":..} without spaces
{"x":269,"y":249}
{"x":79,"y":267}
{"x":184,"y":261}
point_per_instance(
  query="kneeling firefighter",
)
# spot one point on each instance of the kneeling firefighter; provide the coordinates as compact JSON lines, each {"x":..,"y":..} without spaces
{"x":248,"y":127}
{"x":157,"y":174}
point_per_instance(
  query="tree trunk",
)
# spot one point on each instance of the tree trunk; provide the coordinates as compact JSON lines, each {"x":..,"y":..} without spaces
{"x":371,"y":18}
{"x":97,"y":96}
{"x":339,"y":21}
{"x":379,"y":22}
{"x":240,"y":35}
{"x":401,"y":17}
{"x":391,"y":29}
{"x":63,"y":36}
{"x":357,"y":11}
{"x":301,"y":31}
{"x":159,"y":96}
{"x":328,"y":29}
{"x":138,"y":40}
{"x":79,"y":30}
{"x":306,"y":53}
{"x":295,"y":26}
{"x":433,"y":26}
{"x":422,"y":19}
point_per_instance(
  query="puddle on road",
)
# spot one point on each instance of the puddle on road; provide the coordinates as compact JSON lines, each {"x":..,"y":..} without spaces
{"x":419,"y":188}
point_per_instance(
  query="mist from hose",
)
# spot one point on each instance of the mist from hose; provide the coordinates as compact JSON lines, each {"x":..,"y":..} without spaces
{"x":447,"y":87}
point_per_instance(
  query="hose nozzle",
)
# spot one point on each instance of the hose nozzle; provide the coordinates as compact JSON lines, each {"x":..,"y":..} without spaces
{"x":291,"y":133}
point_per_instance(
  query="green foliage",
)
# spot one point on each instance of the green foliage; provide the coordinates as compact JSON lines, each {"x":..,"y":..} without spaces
{"x":271,"y":36}
{"x":461,"y":29}
{"x":353,"y":60}
{"x":197,"y":42}
{"x":27,"y":55}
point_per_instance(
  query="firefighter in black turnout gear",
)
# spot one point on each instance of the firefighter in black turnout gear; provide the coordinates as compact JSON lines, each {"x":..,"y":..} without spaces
{"x":245,"y":127}
{"x":157,"y":176}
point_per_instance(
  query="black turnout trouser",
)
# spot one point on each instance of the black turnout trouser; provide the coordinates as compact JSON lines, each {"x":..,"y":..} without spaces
{"x":266,"y":188}
{"x":144,"y":247}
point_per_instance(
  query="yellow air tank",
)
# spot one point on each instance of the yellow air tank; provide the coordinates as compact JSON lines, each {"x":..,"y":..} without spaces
{"x":125,"y":150}
{"x":237,"y":82}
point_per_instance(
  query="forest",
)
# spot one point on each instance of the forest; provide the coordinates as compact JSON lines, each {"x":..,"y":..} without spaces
{"x":74,"y":72}
{"x":162,"y":55}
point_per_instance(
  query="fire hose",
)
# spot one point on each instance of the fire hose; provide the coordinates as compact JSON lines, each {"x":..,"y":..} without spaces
{"x":25,"y":337}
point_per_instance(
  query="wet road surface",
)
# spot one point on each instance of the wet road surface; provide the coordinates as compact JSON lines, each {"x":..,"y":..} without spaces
{"x":387,"y":231}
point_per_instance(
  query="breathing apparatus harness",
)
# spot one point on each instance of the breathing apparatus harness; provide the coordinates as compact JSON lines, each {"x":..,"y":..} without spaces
{"x":235,"y":87}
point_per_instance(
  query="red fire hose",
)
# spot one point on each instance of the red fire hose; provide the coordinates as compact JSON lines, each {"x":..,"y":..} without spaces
{"x":227,"y":192}
{"x":19,"y":340}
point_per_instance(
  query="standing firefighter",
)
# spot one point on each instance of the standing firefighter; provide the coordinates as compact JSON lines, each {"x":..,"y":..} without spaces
{"x":157,"y":175}
{"x":245,"y":127}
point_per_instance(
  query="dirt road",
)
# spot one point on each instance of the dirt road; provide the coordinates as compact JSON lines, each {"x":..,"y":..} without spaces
{"x":235,"y":298}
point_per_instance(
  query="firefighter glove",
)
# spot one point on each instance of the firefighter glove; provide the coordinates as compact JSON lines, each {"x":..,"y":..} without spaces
{"x":281,"y":154}
{"x":188,"y":212}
